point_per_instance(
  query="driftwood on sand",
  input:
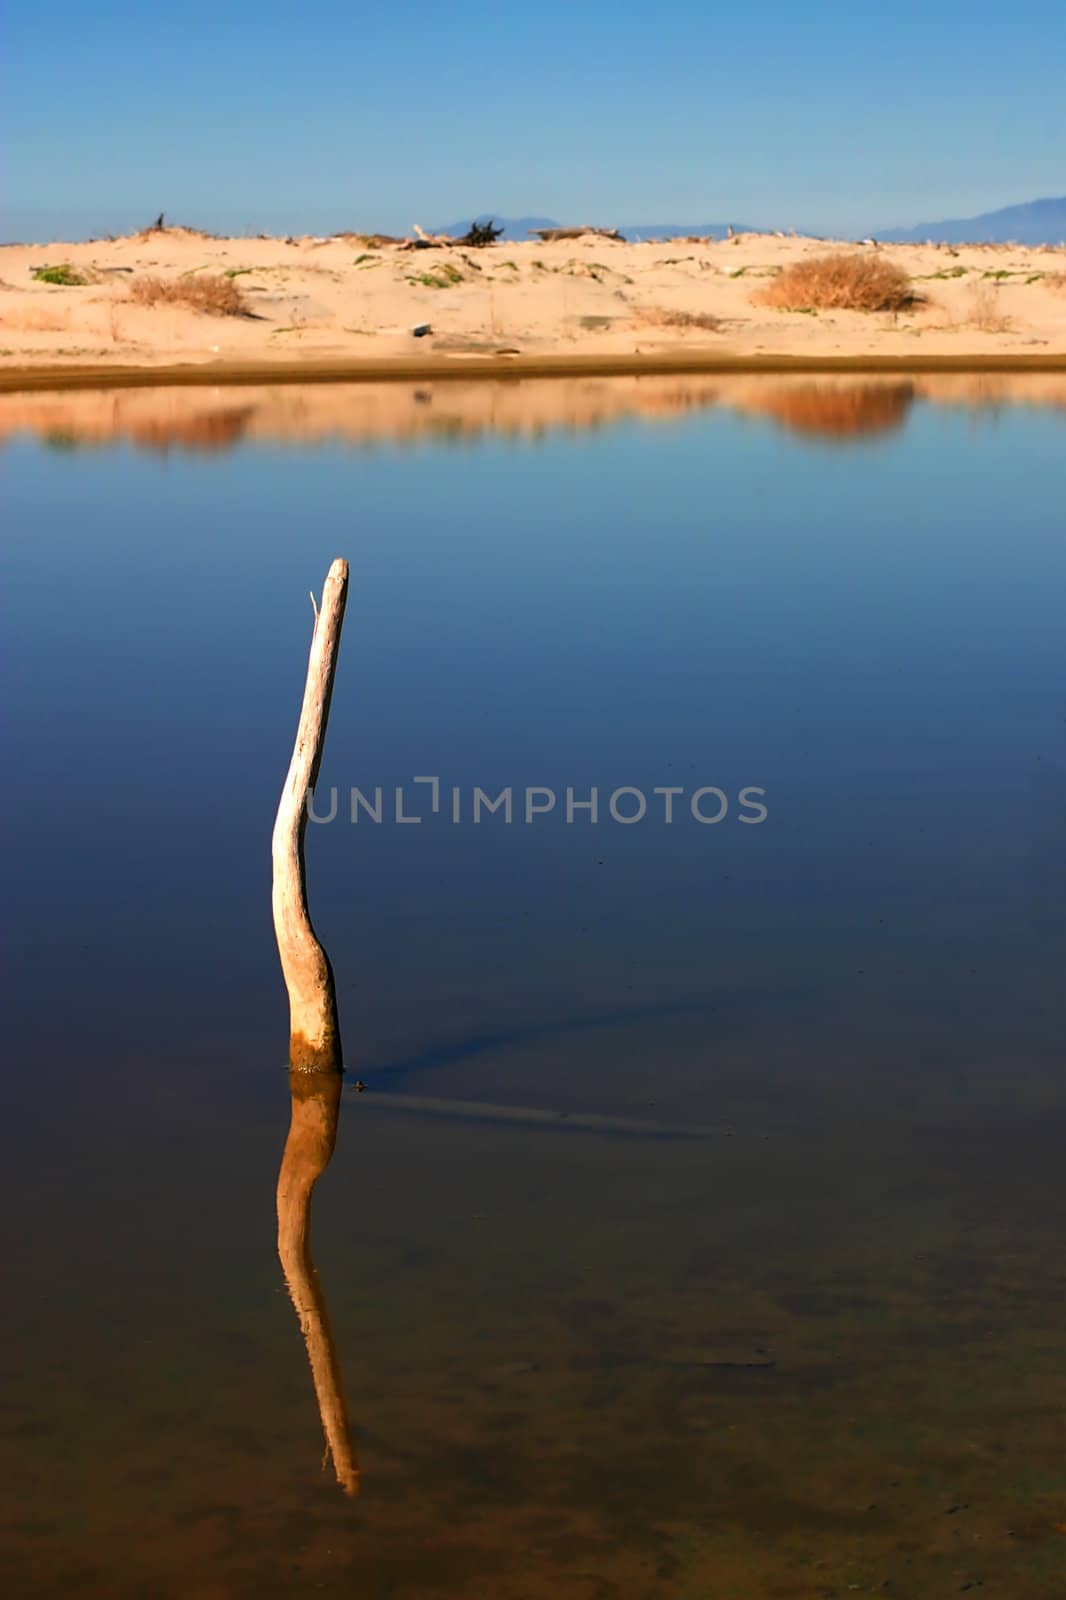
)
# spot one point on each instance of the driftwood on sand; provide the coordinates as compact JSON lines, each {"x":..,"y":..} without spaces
{"x":476,"y":237}
{"x":314,"y":1032}
{"x":427,"y":241}
{"x":480,"y":234}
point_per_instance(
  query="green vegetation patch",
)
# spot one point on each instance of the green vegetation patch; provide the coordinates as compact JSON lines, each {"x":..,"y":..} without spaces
{"x":442,"y":277}
{"x":945,"y":272}
{"x":65,"y":276}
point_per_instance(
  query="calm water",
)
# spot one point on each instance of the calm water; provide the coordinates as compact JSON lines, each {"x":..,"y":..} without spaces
{"x":817,"y":1347}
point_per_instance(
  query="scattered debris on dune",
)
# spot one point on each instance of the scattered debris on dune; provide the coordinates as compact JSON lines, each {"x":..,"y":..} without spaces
{"x":553,"y":235}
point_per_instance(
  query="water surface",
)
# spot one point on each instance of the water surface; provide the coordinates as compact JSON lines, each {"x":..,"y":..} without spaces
{"x":817,"y":1349}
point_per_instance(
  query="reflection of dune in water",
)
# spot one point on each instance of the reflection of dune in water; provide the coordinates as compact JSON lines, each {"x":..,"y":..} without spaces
{"x":840,"y":413}
{"x":204,"y":433}
{"x":361,"y":414}
{"x":460,"y":411}
{"x":209,"y":432}
{"x":152,"y":421}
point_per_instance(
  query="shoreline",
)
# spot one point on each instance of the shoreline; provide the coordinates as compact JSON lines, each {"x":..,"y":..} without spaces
{"x":178,"y":308}
{"x":402,"y":369}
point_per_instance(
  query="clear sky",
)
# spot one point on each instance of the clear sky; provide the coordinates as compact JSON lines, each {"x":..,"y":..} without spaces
{"x":817,"y":114}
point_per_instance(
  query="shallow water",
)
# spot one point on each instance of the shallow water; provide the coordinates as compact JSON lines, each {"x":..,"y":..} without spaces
{"x":814,"y":1348}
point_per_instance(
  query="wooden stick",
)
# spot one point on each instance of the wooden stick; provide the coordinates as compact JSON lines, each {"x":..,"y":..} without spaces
{"x":314,"y":1032}
{"x":312,"y":1135}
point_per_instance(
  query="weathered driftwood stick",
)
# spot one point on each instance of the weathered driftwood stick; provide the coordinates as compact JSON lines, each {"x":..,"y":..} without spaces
{"x":312,"y":1135}
{"x":314,"y":1032}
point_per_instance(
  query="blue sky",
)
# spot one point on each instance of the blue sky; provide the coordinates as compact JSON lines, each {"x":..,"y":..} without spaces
{"x":829,"y":116}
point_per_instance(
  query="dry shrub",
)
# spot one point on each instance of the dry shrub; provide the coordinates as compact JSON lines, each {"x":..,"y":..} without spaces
{"x":841,"y":281}
{"x":1056,"y":281}
{"x":682,"y":319}
{"x":368,"y":241}
{"x":212,"y":293}
{"x":179,"y":230}
{"x":984,"y":310}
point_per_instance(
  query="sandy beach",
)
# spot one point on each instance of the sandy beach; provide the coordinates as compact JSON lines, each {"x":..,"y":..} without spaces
{"x":345,"y":306}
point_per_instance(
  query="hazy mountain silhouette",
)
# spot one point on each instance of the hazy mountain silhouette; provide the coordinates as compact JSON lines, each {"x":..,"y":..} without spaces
{"x":1035,"y":222}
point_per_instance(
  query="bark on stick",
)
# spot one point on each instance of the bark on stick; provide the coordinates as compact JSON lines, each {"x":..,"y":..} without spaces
{"x":314,"y":1032}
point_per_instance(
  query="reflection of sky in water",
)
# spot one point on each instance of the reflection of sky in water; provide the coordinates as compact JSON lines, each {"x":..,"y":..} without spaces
{"x":873,"y":636}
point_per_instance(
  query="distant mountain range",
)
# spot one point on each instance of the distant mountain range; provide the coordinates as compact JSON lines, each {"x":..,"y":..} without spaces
{"x":1037,"y":222}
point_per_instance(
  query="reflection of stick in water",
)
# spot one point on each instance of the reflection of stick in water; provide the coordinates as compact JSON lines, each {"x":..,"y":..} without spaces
{"x":312,"y":1134}
{"x":314,"y":1034}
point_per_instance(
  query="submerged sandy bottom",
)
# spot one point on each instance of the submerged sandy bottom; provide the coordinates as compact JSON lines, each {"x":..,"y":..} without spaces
{"x":819,"y":1354}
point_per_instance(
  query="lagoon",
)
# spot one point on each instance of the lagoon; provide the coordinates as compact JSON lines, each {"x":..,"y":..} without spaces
{"x":757,"y":1289}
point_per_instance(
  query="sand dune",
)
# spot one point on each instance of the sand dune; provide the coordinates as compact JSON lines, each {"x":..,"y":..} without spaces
{"x":313,"y":302}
